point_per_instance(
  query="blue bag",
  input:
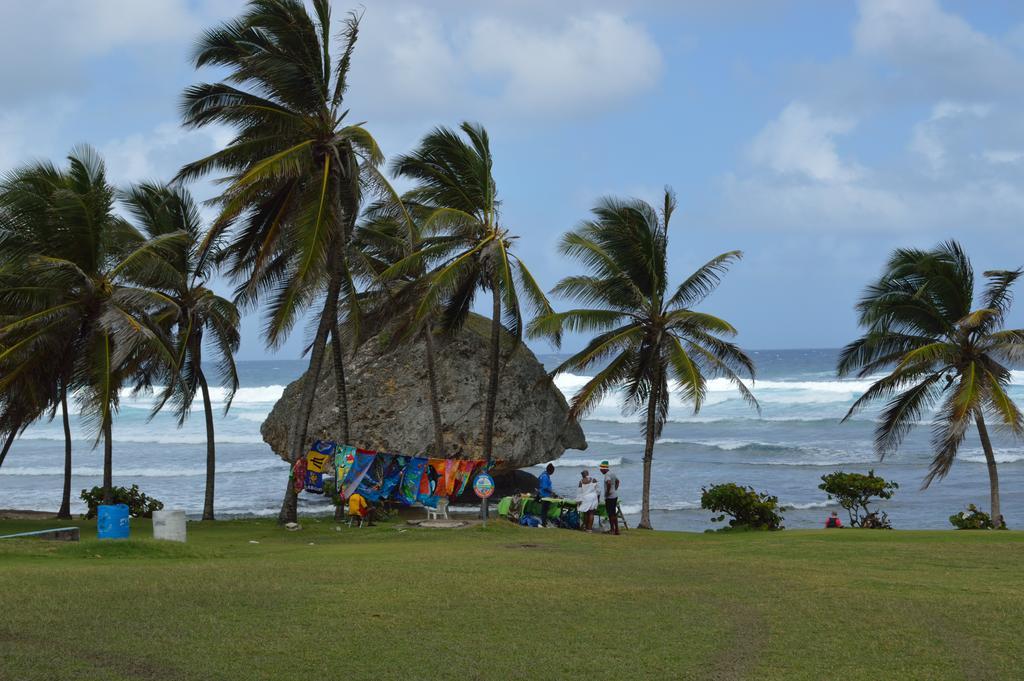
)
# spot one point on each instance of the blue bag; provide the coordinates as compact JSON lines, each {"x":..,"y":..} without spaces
{"x":112,"y":521}
{"x":529,"y":520}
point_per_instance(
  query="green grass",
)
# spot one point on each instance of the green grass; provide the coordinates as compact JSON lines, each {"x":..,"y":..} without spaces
{"x":511,"y":603}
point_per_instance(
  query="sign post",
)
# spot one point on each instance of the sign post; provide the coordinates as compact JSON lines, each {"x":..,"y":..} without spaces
{"x":483,"y":485}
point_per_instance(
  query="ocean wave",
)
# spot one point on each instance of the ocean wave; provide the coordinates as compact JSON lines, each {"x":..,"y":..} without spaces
{"x":633,"y":509}
{"x":238,"y":467}
{"x":572,"y":461}
{"x":173,"y":437}
{"x":1000,"y":458}
{"x":809,"y":505}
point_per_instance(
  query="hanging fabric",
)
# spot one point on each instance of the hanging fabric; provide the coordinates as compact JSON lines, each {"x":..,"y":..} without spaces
{"x":361,"y":464}
{"x":411,"y":477}
{"x":451,"y":470}
{"x":372,"y":485}
{"x":465,"y":476}
{"x":298,"y":475}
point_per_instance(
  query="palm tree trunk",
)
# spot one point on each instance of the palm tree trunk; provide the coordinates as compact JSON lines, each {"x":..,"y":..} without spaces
{"x":341,"y":391}
{"x":108,"y":461}
{"x":492,"y":381}
{"x":645,"y":509}
{"x":993,"y":474}
{"x":340,"y":384}
{"x":7,"y":444}
{"x":211,"y":443}
{"x":435,"y":403}
{"x":65,"y":499}
{"x":297,"y":445}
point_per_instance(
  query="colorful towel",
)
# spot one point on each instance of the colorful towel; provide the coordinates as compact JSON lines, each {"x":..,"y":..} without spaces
{"x":316,"y":462}
{"x":432,"y":483}
{"x":464,"y":476}
{"x":373,"y":485}
{"x":314,"y":482}
{"x":360,"y":465}
{"x":451,"y":471}
{"x":299,"y":475}
{"x":344,"y":458}
{"x":392,"y":476}
{"x":411,"y":477}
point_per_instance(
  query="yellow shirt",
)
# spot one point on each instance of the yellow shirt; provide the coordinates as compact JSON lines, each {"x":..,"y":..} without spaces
{"x":356,"y":504}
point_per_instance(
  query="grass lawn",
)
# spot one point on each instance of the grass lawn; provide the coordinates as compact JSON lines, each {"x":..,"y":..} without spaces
{"x":511,"y":603}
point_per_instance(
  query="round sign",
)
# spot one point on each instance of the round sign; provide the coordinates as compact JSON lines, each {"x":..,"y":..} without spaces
{"x":483,"y":485}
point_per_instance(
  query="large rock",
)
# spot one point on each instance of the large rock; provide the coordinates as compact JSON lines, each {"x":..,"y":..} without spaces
{"x":389,"y":404}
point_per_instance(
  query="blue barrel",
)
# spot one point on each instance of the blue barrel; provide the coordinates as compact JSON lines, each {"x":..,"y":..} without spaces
{"x":112,"y":521}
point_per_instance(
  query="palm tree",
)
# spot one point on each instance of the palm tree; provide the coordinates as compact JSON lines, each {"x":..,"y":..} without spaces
{"x":454,"y":181}
{"x":78,"y":302}
{"x":295,"y":172}
{"x":198,"y":313}
{"x":395,"y":255}
{"x":922,"y":327}
{"x":645,"y":337}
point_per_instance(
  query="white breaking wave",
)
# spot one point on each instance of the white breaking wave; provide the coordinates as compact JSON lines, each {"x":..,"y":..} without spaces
{"x":632,"y":509}
{"x":581,"y":463}
{"x":809,"y":505}
{"x":831,"y":396}
{"x":158,"y":435}
{"x":153,"y":472}
{"x":1000,"y":458}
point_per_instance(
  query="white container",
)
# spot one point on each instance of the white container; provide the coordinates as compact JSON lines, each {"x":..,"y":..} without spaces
{"x":169,"y":525}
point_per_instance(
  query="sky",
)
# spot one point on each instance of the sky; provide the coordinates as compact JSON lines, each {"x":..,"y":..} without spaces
{"x":815,"y":137}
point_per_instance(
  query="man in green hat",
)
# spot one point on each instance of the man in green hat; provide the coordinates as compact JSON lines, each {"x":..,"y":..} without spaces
{"x":611,"y":496}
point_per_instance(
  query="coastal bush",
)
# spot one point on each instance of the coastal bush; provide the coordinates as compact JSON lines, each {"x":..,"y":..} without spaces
{"x":973,"y":519}
{"x":855,"y":491}
{"x":139,"y":505}
{"x":749,"y":509}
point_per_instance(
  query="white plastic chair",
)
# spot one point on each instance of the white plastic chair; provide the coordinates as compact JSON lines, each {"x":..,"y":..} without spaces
{"x":440,"y":512}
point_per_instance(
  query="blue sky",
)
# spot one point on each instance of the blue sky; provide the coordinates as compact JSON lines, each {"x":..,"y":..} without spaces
{"x":813,"y":136}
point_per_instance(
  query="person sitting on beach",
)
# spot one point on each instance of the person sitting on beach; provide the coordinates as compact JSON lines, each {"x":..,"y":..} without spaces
{"x":833,"y":521}
{"x":611,"y":496}
{"x":589,"y":498}
{"x":545,"y":490}
{"x":360,"y":508}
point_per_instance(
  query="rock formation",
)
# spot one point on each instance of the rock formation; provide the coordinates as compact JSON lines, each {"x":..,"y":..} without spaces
{"x":389,"y":403}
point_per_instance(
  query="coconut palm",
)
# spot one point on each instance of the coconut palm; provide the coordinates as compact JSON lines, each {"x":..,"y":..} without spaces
{"x":644,"y":335}
{"x":79,"y":303}
{"x":392,"y":233}
{"x":200,"y":317}
{"x":294,"y":172}
{"x":922,"y":326}
{"x":454,"y":181}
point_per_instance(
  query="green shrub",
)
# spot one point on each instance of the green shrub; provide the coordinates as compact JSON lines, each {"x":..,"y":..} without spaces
{"x":854,"y":491}
{"x":973,"y":519}
{"x":139,"y":505}
{"x":749,"y":509}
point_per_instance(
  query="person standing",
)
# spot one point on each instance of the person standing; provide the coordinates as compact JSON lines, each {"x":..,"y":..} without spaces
{"x":545,"y":490}
{"x":589,"y":499}
{"x":611,"y":496}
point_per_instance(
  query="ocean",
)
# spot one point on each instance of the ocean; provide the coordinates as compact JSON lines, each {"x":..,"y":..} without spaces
{"x":796,"y":439}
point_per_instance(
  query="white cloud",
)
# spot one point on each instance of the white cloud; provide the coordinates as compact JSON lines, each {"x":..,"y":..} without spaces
{"x":934,"y":50}
{"x":803,"y":143}
{"x":499,"y":64}
{"x":1000,"y":156}
{"x":49,"y":39}
{"x":158,"y":154}
{"x":589,"y":61}
{"x":929,"y":137}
